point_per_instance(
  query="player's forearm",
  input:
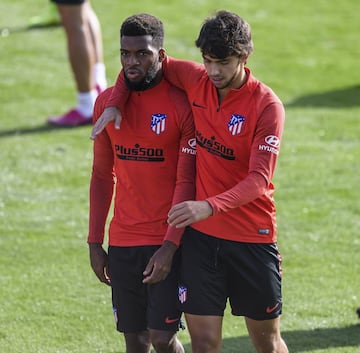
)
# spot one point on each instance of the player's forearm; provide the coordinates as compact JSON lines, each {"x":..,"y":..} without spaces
{"x":101,"y":192}
{"x":184,"y":191}
{"x":244,"y":192}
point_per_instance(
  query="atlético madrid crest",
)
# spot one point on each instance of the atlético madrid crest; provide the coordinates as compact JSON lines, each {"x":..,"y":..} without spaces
{"x":235,"y":124}
{"x":158,"y":123}
{"x":182,"y":292}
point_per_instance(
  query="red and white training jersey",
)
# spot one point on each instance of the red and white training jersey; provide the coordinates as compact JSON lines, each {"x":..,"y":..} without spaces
{"x":240,"y":136}
{"x":152,"y":161}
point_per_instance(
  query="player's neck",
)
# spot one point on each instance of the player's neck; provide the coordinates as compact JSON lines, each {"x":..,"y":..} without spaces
{"x":237,"y":82}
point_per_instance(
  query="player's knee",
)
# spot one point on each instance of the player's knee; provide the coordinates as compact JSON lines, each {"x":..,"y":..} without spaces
{"x":205,"y":345}
{"x":137,"y":342}
{"x":271,"y":345}
{"x":165,"y":342}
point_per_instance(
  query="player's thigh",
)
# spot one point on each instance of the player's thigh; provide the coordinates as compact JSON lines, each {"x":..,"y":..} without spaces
{"x":203,"y":287}
{"x":255,"y":280}
{"x":265,"y":334}
{"x":129,"y":294}
{"x":72,"y":14}
{"x":205,"y":332}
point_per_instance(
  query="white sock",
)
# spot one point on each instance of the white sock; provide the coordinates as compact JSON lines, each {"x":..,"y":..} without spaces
{"x":86,"y":102}
{"x":100,"y":75}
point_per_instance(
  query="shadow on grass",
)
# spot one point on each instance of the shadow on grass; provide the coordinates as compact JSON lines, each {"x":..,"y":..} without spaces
{"x":6,"y":31}
{"x":17,"y":131}
{"x":302,"y":340}
{"x":299,"y":341}
{"x":340,"y":98}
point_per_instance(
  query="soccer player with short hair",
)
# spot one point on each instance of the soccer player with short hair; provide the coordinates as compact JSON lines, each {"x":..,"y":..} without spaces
{"x":152,"y":160}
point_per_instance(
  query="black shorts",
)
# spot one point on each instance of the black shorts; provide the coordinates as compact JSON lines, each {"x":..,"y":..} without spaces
{"x":138,"y":306}
{"x":214,"y":270}
{"x":68,"y":2}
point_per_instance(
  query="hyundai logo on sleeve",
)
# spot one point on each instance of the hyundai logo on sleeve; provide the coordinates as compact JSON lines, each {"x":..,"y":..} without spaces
{"x":272,"y":140}
{"x":272,"y":144}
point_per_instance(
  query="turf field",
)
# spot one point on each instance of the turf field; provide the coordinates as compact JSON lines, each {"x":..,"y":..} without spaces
{"x":307,"y":51}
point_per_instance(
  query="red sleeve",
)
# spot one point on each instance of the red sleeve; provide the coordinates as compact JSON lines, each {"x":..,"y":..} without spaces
{"x":120,"y":93}
{"x":183,"y":74}
{"x":270,"y":124}
{"x":102,"y":179}
{"x":262,"y":163}
{"x":180,"y":73}
{"x":185,"y":178}
{"x":249,"y":189}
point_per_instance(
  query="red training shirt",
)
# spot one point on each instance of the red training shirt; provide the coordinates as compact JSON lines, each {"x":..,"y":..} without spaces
{"x":152,"y":160}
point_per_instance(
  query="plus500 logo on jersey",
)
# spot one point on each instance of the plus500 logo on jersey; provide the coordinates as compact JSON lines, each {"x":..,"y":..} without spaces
{"x":214,"y":147}
{"x":138,"y":153}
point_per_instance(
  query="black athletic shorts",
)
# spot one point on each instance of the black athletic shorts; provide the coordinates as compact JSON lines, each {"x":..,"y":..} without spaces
{"x":138,"y":306}
{"x":215,"y":270}
{"x":68,"y":2}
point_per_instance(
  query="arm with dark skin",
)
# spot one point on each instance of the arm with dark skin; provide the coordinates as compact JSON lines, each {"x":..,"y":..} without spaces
{"x":98,"y":261}
{"x":100,"y":198}
{"x":160,"y":263}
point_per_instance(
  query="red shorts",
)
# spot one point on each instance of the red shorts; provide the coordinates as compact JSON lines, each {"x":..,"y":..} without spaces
{"x":215,"y":270}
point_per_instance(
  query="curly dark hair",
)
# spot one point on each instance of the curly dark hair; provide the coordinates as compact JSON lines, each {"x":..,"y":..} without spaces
{"x":144,"y":24}
{"x":225,"y":34}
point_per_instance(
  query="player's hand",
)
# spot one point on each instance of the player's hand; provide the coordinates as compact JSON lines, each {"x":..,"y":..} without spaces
{"x":109,"y":114}
{"x":160,"y":263}
{"x":185,"y":213}
{"x":98,"y":261}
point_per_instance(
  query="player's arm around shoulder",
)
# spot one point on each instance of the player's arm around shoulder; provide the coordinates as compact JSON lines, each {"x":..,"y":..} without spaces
{"x":104,"y":114}
{"x":182,"y":73}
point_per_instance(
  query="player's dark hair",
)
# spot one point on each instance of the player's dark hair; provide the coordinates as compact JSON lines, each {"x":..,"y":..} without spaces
{"x":144,"y":24}
{"x":225,"y":34}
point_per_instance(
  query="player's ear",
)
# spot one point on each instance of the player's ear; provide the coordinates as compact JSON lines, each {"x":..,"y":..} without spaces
{"x":243,"y":59}
{"x":162,"y":54}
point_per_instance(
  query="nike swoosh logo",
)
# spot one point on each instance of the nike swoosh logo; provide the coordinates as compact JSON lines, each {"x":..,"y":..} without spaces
{"x":270,"y":310}
{"x":170,"y":321}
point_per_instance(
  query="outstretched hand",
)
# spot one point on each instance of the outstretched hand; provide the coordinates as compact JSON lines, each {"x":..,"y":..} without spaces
{"x":185,"y":213}
{"x":109,"y":114}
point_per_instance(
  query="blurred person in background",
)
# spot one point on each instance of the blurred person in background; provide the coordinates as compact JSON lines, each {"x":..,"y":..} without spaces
{"x":49,"y":17}
{"x":85,"y":52}
{"x":151,"y":159}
